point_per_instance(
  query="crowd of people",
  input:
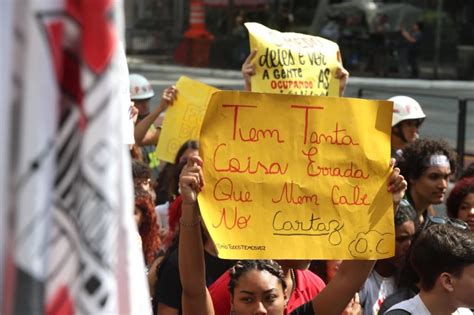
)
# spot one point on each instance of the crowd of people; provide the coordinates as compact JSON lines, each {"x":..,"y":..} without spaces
{"x":432,"y":271}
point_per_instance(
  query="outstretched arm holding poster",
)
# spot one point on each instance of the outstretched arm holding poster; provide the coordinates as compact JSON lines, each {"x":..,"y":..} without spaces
{"x":183,"y":120}
{"x":196,"y":299}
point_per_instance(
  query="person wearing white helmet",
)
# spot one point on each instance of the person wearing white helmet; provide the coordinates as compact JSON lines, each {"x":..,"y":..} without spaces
{"x":406,"y":120}
{"x":141,"y":92}
{"x":146,"y":133}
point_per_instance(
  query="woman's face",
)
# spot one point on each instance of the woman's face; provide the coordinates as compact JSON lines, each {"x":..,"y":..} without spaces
{"x":189,"y":152}
{"x":144,"y":183}
{"x":466,"y":210}
{"x":403,"y":236}
{"x":258,"y":292}
{"x":137,"y":213}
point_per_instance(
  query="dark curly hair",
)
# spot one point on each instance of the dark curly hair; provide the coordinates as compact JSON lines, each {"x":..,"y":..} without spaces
{"x":460,"y":191}
{"x":413,"y":160}
{"x":405,"y":212}
{"x":468,"y":172}
{"x":140,"y":170}
{"x":148,"y":229}
{"x":441,"y":248}
{"x":243,"y":266}
{"x":168,"y":179}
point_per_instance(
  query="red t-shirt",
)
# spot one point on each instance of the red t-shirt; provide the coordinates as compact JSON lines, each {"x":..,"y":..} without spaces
{"x":308,"y":285}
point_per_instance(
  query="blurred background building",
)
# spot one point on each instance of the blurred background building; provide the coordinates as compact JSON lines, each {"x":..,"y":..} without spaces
{"x":368,"y":32}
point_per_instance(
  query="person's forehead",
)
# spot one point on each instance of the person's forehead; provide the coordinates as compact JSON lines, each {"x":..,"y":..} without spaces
{"x":407,"y":227}
{"x":257,"y":280}
{"x":440,"y":170}
{"x":410,"y":121}
{"x":469,"y":198}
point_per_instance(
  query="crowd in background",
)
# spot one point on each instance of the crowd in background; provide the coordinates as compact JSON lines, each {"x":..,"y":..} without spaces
{"x":432,"y":271}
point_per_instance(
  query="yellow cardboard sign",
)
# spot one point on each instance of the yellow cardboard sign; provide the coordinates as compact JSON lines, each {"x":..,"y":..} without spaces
{"x":297,"y":178}
{"x":183,"y":119}
{"x":293,"y":63}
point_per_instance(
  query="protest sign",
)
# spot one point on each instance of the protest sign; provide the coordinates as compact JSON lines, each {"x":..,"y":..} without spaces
{"x":297,"y":178}
{"x":293,"y":63}
{"x":183,"y":119}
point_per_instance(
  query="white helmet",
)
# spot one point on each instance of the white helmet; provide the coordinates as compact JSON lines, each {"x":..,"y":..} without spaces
{"x":405,"y":108}
{"x":140,"y":88}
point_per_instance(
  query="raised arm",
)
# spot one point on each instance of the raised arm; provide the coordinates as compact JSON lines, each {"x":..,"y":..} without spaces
{"x":343,"y":75}
{"x":408,"y":36}
{"x":142,"y":137}
{"x":352,"y":273}
{"x":195,"y":297}
{"x":248,"y":70}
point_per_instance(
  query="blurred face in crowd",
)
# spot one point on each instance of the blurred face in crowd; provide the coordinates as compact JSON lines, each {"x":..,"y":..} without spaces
{"x":143,"y":106}
{"x":430,"y":187}
{"x":464,"y":286}
{"x":189,"y":152}
{"x":332,"y":266}
{"x":409,"y":129}
{"x":466,"y":210}
{"x":258,"y":292}
{"x":403,"y":236}
{"x":144,"y":183}
{"x":137,"y":213}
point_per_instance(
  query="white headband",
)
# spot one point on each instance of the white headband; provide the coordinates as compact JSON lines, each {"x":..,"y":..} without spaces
{"x":438,"y":160}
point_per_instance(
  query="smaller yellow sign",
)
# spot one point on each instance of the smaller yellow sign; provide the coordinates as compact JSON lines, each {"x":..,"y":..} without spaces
{"x":184,"y":118}
{"x":293,"y":63}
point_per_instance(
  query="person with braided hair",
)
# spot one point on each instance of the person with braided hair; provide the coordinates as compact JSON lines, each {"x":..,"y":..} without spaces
{"x":251,"y":270}
{"x":256,"y":287}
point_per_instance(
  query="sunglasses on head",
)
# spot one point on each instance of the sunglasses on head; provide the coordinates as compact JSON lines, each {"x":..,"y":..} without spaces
{"x":431,"y":220}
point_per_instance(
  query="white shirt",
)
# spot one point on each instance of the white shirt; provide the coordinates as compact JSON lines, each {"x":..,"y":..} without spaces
{"x":416,"y":306}
{"x":374,"y":291}
{"x":162,"y":212}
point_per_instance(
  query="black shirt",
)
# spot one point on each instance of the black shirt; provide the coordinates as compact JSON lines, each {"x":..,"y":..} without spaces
{"x":168,"y":286}
{"x":305,"y":309}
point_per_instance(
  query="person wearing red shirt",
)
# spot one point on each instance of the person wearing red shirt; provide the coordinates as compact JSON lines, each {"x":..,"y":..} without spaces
{"x":303,"y":285}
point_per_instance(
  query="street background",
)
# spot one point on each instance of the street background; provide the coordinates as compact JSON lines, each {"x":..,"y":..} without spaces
{"x":441,"y":105}
{"x":160,"y":29}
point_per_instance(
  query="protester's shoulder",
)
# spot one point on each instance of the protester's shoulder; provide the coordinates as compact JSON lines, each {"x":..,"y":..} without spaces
{"x":463,"y":311}
{"x":398,"y":296}
{"x":168,"y":286}
{"x":309,"y":278}
{"x":220,"y":295}
{"x":221,"y":283}
{"x":397,"y":312}
{"x":169,"y":263}
{"x":305,"y":309}
{"x":410,"y":306}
